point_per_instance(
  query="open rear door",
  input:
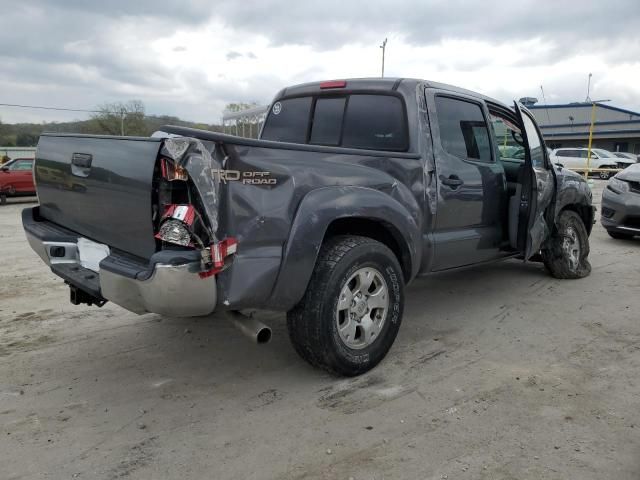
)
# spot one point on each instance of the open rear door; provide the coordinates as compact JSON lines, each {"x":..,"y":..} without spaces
{"x":538,"y":187}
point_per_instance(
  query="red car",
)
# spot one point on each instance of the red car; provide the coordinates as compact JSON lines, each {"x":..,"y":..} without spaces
{"x":16,"y":178}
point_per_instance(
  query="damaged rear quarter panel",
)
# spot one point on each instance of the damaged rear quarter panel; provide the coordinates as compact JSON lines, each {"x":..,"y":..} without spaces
{"x":280,"y":227}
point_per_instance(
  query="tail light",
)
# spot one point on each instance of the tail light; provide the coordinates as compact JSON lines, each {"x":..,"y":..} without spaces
{"x":171,"y":171}
{"x":176,"y":223}
{"x":181,"y":224}
{"x":219,"y":253}
{"x":333,"y":84}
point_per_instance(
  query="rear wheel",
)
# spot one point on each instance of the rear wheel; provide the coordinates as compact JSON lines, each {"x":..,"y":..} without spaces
{"x":351,"y":312}
{"x":566,"y":252}
{"x":619,"y":236}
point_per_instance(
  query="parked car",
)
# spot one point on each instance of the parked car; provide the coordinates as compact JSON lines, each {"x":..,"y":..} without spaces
{"x":576,"y":159}
{"x":620,"y":214}
{"x":16,"y":178}
{"x":622,"y":162}
{"x":355,"y":188}
{"x":630,"y":156}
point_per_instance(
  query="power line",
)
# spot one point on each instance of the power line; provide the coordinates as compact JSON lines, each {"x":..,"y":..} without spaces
{"x":39,"y":107}
{"x":123,"y":112}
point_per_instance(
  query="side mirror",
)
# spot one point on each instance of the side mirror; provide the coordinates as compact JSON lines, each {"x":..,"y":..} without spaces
{"x":4,"y":169}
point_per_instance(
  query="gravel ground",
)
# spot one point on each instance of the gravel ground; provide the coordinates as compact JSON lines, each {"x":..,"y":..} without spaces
{"x":499,"y":372}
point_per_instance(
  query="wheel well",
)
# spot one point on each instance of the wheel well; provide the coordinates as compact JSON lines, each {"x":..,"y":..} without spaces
{"x":585,"y":212}
{"x":378,"y":230}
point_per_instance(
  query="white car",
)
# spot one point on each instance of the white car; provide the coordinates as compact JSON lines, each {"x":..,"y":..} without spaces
{"x":622,"y":162}
{"x":576,"y":159}
{"x":630,"y":156}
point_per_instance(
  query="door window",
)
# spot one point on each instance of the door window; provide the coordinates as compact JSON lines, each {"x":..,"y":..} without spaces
{"x":463,"y":129}
{"x":536,"y":145}
{"x":22,"y":165}
{"x":506,"y":135}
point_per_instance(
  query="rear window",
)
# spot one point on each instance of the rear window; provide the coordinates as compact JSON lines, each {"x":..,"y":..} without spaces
{"x":288,"y":120}
{"x":367,"y":121}
{"x":327,"y":121}
{"x":375,"y":122}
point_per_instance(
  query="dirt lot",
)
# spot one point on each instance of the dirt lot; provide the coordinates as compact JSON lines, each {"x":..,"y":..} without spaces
{"x":499,"y":372}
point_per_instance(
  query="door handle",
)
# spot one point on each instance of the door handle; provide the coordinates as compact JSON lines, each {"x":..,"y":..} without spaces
{"x":82,"y":160}
{"x":81,"y":164}
{"x":453,"y":181}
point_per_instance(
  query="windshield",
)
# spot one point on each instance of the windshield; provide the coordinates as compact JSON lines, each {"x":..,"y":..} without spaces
{"x":603,"y":153}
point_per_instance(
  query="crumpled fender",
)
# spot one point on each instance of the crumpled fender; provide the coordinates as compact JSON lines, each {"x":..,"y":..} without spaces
{"x":573,"y":190}
{"x":316,"y":211}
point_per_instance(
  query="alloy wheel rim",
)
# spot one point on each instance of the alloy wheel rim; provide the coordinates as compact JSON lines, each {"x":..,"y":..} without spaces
{"x":571,"y":246}
{"x":362,"y":308}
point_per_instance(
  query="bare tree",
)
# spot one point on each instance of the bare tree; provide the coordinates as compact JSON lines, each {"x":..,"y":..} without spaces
{"x":119,"y":118}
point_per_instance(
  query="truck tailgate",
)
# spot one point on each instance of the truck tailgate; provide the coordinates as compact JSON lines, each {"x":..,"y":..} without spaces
{"x":99,"y":187}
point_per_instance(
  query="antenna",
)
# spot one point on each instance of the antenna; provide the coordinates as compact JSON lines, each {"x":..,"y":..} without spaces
{"x":588,"y":99}
{"x":544,"y":99}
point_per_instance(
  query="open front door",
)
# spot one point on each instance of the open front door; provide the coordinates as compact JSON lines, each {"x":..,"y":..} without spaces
{"x":538,"y":187}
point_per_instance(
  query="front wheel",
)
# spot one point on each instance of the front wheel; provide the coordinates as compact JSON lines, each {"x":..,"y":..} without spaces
{"x":565,"y":254}
{"x":351,"y":312}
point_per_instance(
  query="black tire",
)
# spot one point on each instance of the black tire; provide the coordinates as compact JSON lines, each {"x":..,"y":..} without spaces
{"x":3,"y":199}
{"x":619,"y":236}
{"x":604,"y":175}
{"x":313,"y":323}
{"x":565,"y":254}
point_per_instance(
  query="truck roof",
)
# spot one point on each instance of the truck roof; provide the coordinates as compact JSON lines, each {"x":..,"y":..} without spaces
{"x":383,"y":84}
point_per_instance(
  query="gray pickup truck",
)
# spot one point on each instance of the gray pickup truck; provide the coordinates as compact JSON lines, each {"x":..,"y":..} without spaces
{"x":354,"y":188}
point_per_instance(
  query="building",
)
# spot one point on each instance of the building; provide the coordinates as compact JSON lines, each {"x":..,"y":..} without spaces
{"x":615,"y":129}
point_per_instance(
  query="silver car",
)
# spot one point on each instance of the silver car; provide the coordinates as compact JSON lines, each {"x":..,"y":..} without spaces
{"x":621,"y":204}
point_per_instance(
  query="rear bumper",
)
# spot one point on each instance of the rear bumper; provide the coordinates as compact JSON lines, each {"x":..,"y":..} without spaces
{"x":167,"y":284}
{"x":621,"y":212}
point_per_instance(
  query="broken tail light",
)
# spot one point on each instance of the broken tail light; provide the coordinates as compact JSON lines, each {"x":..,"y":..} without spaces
{"x":176,"y":223}
{"x":171,"y":171}
{"x":218,"y":254}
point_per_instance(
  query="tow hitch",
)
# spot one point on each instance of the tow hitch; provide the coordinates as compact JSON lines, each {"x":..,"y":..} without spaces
{"x":78,"y":296}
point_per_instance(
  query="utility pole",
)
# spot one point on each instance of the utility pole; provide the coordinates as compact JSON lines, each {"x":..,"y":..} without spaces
{"x":383,"y":47}
{"x":593,"y":121}
{"x":122,"y":121}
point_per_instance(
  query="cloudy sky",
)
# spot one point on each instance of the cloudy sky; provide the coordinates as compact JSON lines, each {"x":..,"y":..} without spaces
{"x":191,"y":57}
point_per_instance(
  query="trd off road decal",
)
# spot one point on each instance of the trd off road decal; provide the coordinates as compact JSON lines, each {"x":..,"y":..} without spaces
{"x":249,"y":178}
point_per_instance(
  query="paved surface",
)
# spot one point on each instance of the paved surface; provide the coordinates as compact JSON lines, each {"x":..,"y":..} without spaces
{"x":499,"y":372}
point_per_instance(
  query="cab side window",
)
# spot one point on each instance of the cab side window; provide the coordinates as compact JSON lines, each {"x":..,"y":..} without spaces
{"x":463,"y":129}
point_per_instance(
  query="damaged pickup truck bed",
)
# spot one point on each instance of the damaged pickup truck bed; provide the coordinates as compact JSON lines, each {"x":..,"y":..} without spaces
{"x":355,"y":188}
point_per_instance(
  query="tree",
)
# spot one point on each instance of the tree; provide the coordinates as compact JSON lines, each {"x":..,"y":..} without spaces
{"x":25,"y":139}
{"x":119,"y":118}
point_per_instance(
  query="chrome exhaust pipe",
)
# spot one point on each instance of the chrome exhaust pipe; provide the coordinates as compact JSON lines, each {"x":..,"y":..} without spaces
{"x":257,"y":331}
